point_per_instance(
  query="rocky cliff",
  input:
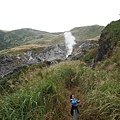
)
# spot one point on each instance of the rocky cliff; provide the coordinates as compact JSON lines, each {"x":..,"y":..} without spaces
{"x":109,"y":40}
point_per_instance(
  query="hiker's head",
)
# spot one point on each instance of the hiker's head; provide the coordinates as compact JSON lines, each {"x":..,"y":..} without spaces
{"x":72,"y":96}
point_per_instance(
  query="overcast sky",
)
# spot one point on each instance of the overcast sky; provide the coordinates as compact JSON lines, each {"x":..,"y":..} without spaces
{"x":57,"y":15}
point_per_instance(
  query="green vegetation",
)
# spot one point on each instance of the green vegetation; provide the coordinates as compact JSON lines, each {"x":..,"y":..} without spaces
{"x":110,"y":39}
{"x":87,"y":32}
{"x":24,"y":36}
{"x":44,"y":92}
{"x":22,"y":49}
{"x":2,"y":42}
{"x":90,"y":55}
{"x":40,"y":92}
{"x":27,"y":36}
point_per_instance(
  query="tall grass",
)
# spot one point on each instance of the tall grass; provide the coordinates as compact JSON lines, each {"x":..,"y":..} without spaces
{"x":45,"y":95}
{"x":42,"y":97}
{"x":104,"y":102}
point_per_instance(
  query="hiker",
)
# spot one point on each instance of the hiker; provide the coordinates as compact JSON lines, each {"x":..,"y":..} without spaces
{"x":74,"y":108}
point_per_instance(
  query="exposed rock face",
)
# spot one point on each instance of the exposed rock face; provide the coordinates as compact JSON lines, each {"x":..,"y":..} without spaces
{"x":103,"y":48}
{"x":109,"y":40}
{"x":52,"y":54}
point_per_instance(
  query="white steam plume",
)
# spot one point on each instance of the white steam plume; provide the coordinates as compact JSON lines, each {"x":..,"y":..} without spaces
{"x":69,"y":42}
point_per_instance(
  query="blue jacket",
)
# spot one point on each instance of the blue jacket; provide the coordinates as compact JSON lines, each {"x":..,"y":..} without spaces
{"x":74,"y":101}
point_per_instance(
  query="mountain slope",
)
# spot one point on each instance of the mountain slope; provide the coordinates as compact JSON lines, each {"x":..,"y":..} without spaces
{"x":2,"y":42}
{"x":43,"y":92}
{"x":109,"y":40}
{"x":27,"y":36}
{"x":87,"y":32}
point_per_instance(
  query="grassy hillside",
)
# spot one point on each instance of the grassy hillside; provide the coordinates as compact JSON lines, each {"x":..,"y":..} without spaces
{"x":22,"y":49}
{"x":40,"y":92}
{"x":87,"y":32}
{"x":44,"y":93}
{"x":2,"y":42}
{"x":27,"y":36}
